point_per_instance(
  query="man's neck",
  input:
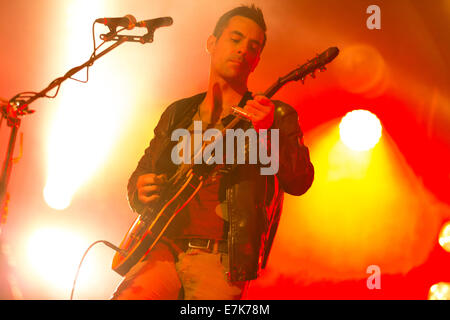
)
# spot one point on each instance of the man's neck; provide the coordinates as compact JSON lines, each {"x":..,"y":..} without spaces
{"x":220,"y":97}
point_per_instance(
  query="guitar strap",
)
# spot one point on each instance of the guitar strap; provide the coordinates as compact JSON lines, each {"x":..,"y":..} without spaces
{"x":185,"y":122}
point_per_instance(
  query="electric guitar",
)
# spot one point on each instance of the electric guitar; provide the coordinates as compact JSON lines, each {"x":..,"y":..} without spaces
{"x":149,"y":227}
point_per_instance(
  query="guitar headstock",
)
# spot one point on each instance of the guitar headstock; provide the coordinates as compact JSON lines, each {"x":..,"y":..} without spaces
{"x":311,"y":66}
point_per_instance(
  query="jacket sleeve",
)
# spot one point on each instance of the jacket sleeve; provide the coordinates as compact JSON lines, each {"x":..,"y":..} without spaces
{"x":296,"y":172}
{"x":148,"y":162}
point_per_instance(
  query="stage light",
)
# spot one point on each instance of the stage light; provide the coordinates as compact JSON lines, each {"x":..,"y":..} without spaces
{"x":444,"y":237}
{"x":55,"y":255}
{"x":56,"y":197}
{"x":89,"y":116}
{"x":360,"y":130}
{"x":439,"y":291}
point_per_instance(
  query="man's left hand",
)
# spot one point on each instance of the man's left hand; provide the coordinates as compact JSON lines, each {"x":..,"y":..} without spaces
{"x":260,"y":110}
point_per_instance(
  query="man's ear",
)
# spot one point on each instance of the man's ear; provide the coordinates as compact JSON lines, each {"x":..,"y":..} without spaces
{"x":210,"y":43}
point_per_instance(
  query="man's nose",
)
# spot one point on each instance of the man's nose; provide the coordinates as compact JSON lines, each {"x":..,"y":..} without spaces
{"x":243,"y":48}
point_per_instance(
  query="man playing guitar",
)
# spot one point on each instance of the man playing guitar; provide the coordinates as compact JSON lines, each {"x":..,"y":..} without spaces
{"x":222,"y":238}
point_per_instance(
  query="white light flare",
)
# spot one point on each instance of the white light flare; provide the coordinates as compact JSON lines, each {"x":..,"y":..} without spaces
{"x":89,"y":115}
{"x":444,"y":237}
{"x":360,"y":130}
{"x":55,"y":255}
{"x":439,"y":291}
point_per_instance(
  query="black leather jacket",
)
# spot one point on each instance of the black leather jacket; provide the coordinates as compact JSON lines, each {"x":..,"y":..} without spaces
{"x":254,"y":200}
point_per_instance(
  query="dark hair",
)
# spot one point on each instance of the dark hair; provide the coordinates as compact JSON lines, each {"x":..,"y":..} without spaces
{"x":254,"y":13}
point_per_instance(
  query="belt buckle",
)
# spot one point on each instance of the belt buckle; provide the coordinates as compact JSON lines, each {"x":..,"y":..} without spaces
{"x":199,"y":247}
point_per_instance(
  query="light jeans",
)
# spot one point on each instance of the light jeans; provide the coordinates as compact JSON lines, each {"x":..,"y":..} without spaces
{"x":196,"y":275}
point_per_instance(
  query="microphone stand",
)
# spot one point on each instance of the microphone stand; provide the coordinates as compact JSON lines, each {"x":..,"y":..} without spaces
{"x":16,"y":108}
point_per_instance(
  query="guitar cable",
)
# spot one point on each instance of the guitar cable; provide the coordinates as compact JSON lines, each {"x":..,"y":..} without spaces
{"x":107,"y":243}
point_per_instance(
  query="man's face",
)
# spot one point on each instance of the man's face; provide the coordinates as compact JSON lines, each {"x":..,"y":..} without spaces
{"x":235,"y":54}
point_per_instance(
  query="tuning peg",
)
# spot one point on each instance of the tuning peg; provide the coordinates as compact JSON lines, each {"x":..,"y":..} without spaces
{"x":302,"y":80}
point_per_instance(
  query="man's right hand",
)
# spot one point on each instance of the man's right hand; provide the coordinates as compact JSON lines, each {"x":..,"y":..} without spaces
{"x":149,"y":187}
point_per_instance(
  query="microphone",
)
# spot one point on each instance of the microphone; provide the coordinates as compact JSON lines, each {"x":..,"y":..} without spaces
{"x":152,"y":25}
{"x":155,"y":23}
{"x":128,"y":22}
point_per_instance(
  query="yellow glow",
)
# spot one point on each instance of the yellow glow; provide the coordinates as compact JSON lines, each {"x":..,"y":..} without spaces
{"x":439,"y":291}
{"x":360,"y":130}
{"x":89,"y":116}
{"x":444,"y":237}
{"x":55,"y":255}
{"x":363,"y":208}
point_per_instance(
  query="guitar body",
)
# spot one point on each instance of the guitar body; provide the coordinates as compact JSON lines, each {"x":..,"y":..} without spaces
{"x":148,"y":228}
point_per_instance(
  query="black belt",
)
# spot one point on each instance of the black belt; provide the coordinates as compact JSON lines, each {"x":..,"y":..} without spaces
{"x":205,"y":244}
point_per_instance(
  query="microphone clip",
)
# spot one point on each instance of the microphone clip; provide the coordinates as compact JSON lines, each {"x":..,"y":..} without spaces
{"x":127,"y":38}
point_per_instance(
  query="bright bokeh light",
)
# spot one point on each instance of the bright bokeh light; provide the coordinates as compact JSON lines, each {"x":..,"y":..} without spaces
{"x":56,"y":197}
{"x":439,"y":291}
{"x":360,"y":130}
{"x":444,"y":237}
{"x":363,"y":69}
{"x":55,"y":254}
